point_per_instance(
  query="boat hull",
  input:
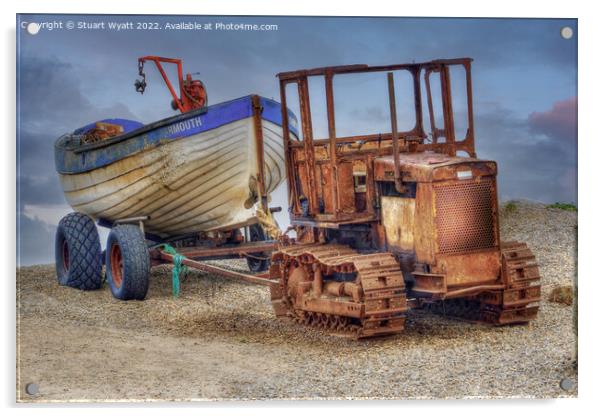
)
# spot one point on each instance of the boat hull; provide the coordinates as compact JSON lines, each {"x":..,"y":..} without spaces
{"x":202,"y":182}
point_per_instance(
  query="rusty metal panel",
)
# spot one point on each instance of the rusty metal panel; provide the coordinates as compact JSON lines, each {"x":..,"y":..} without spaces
{"x":424,"y":241}
{"x":319,"y":187}
{"x":326,"y":185}
{"x":465,"y":216}
{"x":471,"y":268}
{"x":431,"y":167}
{"x":346,"y":193}
{"x":302,"y":175}
{"x":398,"y":220}
{"x":429,"y":283}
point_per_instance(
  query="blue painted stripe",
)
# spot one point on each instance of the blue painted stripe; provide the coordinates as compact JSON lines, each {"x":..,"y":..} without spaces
{"x":70,"y":157}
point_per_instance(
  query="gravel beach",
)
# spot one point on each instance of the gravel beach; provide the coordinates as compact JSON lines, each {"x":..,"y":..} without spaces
{"x":220,"y":340}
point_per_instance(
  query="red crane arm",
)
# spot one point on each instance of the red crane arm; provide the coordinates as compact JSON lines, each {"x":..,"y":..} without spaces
{"x":157,"y":60}
{"x":192,"y":93}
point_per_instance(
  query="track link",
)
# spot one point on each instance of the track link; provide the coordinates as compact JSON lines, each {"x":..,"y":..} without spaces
{"x":517,"y":303}
{"x":333,"y":287}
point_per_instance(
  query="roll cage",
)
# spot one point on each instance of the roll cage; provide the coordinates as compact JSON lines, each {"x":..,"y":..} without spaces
{"x":302,"y":154}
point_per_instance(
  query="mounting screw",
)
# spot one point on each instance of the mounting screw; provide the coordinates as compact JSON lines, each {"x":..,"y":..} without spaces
{"x":567,"y":384}
{"x":566,"y":32}
{"x":33,"y":28}
{"x":31,"y":389}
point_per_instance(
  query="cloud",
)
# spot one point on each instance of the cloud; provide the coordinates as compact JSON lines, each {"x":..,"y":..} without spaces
{"x":35,"y":241}
{"x":52,"y":102}
{"x":53,"y":97}
{"x":40,"y":189}
{"x":558,"y":123}
{"x":534,"y":160}
{"x":64,"y":83}
{"x":494,"y":43}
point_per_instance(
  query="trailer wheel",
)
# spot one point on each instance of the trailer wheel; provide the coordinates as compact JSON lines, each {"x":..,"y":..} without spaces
{"x":127,"y":262}
{"x":256,"y":265}
{"x":77,"y":252}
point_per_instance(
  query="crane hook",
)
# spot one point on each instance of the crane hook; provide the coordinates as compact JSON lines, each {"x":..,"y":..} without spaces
{"x":140,"y":84}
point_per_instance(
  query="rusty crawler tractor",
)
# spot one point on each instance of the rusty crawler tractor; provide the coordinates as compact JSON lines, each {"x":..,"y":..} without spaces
{"x":386,"y":222}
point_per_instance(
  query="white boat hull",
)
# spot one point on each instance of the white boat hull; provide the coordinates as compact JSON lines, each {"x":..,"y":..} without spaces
{"x":203,"y":182}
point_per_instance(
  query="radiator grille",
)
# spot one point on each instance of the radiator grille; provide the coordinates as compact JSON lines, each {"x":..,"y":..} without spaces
{"x":465,"y":217}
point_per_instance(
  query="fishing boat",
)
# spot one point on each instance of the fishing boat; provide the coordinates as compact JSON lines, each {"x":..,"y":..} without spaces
{"x":198,"y":171}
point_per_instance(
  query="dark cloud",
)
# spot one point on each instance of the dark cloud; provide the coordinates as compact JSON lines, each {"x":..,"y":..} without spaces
{"x":558,"y":123}
{"x":43,"y":189}
{"x":33,"y":153}
{"x":51,"y":103}
{"x":35,"y":241}
{"x":48,"y":92}
{"x":54,"y":97}
{"x":66,"y":81}
{"x":531,"y":166}
{"x":494,"y":43}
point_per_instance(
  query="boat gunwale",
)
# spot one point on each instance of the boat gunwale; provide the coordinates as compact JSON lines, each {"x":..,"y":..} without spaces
{"x":140,"y":130}
{"x":66,"y":164}
{"x":152,"y":126}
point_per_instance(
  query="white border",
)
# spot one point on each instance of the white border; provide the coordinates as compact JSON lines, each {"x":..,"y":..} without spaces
{"x":589,"y":185}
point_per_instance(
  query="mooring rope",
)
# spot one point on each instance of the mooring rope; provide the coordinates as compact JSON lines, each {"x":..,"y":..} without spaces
{"x":178,"y":268}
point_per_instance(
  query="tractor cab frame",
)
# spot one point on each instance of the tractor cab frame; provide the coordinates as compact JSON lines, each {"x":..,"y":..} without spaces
{"x":315,"y":166}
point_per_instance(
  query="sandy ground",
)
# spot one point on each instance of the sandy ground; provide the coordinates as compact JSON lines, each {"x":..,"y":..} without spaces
{"x":220,"y":340}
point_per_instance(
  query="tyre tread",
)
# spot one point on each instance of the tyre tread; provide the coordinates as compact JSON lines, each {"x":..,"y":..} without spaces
{"x":85,"y":261}
{"x":136,"y":262}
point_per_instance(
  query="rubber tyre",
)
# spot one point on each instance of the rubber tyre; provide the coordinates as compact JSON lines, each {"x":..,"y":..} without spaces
{"x":256,"y":233}
{"x":127,"y":262}
{"x":77,"y":252}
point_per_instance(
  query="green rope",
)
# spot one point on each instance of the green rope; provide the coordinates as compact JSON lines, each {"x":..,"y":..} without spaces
{"x":178,"y":268}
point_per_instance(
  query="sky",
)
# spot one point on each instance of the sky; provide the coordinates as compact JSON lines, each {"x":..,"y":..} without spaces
{"x":524,"y":89}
